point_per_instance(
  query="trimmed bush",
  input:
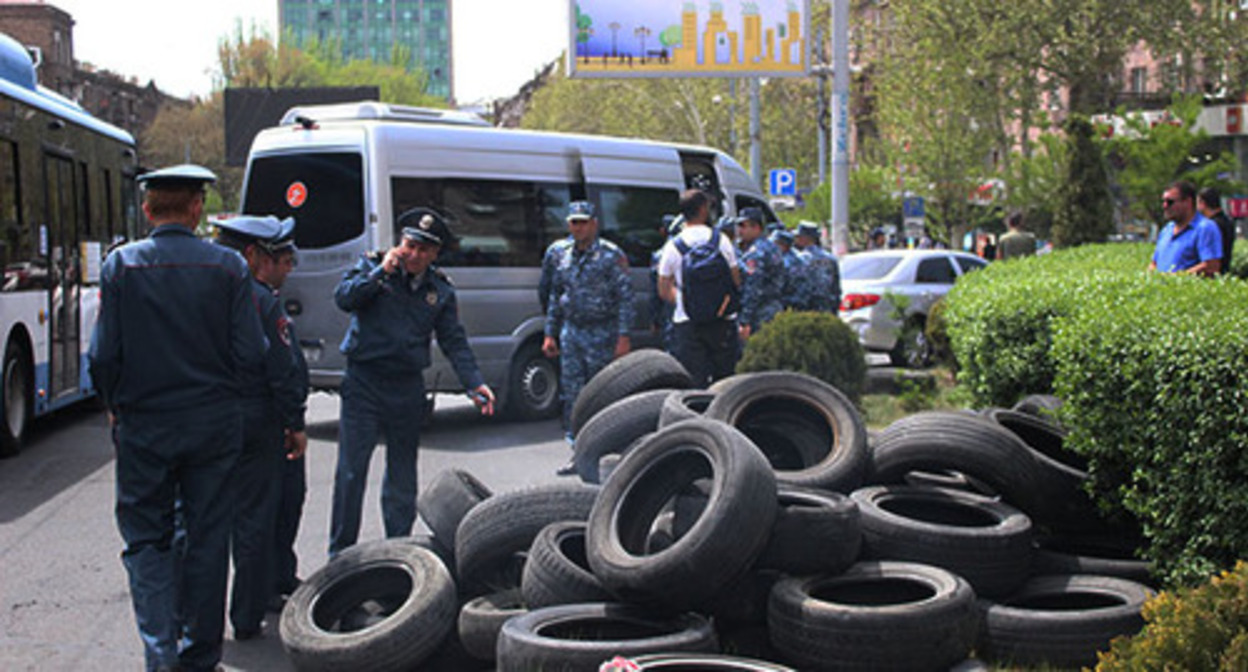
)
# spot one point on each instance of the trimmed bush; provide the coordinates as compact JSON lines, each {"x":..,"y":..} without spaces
{"x":1155,"y":382}
{"x":1000,"y":319}
{"x":1203,"y":628}
{"x":817,"y":344}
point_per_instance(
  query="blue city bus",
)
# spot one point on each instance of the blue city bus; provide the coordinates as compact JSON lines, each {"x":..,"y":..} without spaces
{"x":67,"y":191}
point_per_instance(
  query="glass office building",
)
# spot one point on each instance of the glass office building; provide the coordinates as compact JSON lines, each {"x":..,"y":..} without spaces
{"x":373,"y":28}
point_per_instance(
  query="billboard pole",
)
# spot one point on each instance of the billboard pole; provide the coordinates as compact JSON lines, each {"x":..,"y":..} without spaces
{"x":756,"y":141}
{"x":840,"y":127}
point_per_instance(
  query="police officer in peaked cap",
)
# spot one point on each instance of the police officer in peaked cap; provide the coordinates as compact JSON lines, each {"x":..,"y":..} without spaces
{"x":398,"y":301}
{"x":794,"y":276}
{"x":270,"y":476}
{"x":177,"y":323}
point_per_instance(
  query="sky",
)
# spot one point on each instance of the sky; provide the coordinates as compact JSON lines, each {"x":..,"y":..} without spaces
{"x":498,"y":44}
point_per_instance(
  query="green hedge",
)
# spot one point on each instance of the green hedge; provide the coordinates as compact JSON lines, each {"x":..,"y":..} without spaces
{"x":1154,"y":372}
{"x":1000,"y":319}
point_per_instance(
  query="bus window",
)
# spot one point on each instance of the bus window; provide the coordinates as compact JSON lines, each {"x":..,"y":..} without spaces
{"x":15,"y":250}
{"x":632,"y":217}
{"x":324,"y":192}
{"x":496,"y":223}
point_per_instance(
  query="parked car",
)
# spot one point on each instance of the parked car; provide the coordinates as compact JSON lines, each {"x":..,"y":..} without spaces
{"x":869,"y":279}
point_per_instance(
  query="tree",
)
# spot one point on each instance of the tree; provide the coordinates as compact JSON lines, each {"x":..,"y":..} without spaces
{"x":1152,"y":156}
{"x":195,"y":134}
{"x":1084,"y":208}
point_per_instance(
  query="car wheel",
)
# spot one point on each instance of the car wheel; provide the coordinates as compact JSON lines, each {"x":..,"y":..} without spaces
{"x":17,"y":404}
{"x":912,"y":350}
{"x":533,"y":388}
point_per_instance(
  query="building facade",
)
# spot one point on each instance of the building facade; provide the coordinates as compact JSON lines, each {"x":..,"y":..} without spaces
{"x":48,"y":33}
{"x":373,"y":29}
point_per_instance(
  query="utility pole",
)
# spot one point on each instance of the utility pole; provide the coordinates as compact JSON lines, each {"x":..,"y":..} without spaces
{"x":840,"y":127}
{"x":821,"y":70}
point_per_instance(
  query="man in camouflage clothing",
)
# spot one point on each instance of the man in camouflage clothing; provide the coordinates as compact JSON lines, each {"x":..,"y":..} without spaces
{"x":795,"y":280}
{"x":822,"y":269}
{"x":762,"y":274}
{"x":590,"y":307}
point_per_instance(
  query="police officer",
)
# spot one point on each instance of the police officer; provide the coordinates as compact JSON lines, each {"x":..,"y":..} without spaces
{"x":762,"y":274}
{"x":177,"y":323}
{"x":590,"y":307}
{"x":397,"y":301}
{"x":825,"y":272}
{"x":795,"y":279}
{"x":274,"y":399}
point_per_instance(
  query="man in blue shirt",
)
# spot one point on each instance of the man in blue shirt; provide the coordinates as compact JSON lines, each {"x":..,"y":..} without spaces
{"x":1189,"y":243}
{"x":177,"y":327}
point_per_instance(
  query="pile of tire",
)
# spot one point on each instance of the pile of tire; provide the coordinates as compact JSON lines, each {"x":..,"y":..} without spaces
{"x":750,"y":526}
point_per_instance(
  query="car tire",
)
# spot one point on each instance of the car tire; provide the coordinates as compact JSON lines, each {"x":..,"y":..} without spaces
{"x":875,"y":616}
{"x":1061,"y":620}
{"x":16,"y":400}
{"x":557,"y":569}
{"x":963,"y":442}
{"x":447,"y":499}
{"x":1090,"y":554}
{"x":614,"y":429}
{"x":533,"y":385}
{"x":638,"y":371}
{"x":684,"y":405}
{"x":816,"y":531}
{"x":496,"y":531}
{"x":986,"y":542}
{"x":482,"y":618}
{"x":579,"y":637}
{"x":702,"y":662}
{"x":812,"y":435}
{"x":407,"y":592}
{"x":720,"y":546}
{"x":1040,"y":405}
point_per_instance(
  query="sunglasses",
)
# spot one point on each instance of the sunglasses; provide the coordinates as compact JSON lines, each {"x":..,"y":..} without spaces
{"x":1167,"y":202}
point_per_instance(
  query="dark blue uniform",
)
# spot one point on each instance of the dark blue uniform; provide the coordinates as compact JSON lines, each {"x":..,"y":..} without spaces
{"x":825,"y":280}
{"x":293,"y":489}
{"x":660,"y":310}
{"x":393,"y":317}
{"x":177,"y":325}
{"x":273,"y":402}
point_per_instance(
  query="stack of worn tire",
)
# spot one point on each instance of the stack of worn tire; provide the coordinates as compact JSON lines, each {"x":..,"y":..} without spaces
{"x":749,"y":526}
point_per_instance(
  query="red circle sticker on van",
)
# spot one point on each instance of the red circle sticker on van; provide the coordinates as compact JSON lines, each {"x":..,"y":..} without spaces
{"x":296,"y":194}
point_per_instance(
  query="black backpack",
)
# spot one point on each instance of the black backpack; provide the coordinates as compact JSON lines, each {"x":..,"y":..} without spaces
{"x":707,"y":290}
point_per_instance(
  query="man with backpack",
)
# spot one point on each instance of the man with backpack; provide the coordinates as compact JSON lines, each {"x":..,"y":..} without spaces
{"x":698,"y":273}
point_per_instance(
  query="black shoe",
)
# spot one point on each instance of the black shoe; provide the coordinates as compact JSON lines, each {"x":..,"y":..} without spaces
{"x":568,"y":469}
{"x":247,"y":634}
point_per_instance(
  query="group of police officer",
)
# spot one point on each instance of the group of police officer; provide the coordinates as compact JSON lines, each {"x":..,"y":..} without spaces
{"x":779,"y":269}
{"x":200,"y":369}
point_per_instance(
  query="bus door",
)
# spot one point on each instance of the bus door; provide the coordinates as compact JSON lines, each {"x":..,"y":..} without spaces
{"x":63,"y":232}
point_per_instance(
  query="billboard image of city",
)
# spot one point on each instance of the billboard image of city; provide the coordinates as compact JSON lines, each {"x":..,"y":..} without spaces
{"x":678,"y":38}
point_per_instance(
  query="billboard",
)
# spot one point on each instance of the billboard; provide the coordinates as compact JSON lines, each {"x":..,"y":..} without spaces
{"x":251,"y":110}
{"x":676,"y":38}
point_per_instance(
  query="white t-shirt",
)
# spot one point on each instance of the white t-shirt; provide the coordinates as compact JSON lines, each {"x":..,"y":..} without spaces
{"x":669,"y":260}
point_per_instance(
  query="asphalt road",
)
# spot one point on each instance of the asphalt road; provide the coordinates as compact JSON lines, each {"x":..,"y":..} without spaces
{"x":64,"y":600}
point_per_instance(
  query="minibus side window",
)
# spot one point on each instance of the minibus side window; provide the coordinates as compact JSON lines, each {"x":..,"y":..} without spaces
{"x":496,"y":223}
{"x":632,"y":217}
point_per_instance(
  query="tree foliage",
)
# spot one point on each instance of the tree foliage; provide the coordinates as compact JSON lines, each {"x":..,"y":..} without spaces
{"x":1151,"y":156}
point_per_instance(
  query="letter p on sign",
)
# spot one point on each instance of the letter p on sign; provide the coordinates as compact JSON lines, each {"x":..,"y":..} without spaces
{"x":783,"y":182}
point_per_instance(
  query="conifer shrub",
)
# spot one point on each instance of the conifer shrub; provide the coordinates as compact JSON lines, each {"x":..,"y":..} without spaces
{"x":1201,"y":628}
{"x":817,"y":344}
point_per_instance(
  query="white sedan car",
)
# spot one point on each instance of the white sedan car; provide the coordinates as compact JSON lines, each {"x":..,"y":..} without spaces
{"x":868,"y":279}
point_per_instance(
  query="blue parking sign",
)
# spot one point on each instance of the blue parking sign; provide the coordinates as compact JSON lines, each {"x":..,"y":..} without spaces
{"x":783,"y":182}
{"x":913,"y":206}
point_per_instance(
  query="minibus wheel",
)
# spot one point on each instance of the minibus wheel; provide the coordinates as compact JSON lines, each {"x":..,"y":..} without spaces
{"x":533,"y":388}
{"x":15,"y":388}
